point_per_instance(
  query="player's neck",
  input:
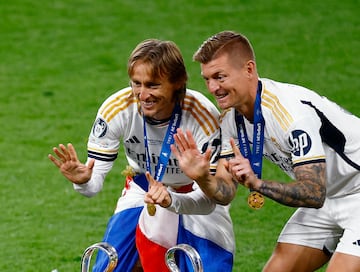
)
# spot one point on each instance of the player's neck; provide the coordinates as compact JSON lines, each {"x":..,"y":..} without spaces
{"x":153,"y":121}
{"x":247,"y":109}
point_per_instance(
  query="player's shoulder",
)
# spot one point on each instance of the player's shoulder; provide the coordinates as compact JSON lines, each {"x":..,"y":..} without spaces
{"x":201,"y":110}
{"x":117,"y":102}
{"x":284,"y":91}
{"x":198,"y":100}
{"x":119,"y":95}
{"x":194,"y":94}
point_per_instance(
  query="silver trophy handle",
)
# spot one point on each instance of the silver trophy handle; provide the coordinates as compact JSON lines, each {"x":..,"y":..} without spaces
{"x":107,"y":248}
{"x":190,"y":252}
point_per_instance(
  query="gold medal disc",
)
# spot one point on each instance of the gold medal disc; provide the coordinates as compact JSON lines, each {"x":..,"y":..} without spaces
{"x":151,"y":209}
{"x":256,"y":200}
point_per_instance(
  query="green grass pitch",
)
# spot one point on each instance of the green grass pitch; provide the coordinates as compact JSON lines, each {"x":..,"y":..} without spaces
{"x":60,"y":59}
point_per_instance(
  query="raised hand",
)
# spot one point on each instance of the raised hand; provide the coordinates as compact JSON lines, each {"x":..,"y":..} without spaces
{"x":158,"y":193}
{"x":194,"y":164}
{"x":69,"y":164}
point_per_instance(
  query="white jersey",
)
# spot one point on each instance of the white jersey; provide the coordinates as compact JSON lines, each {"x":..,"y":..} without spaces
{"x":303,"y":127}
{"x":119,"y":121}
{"x":192,"y":217}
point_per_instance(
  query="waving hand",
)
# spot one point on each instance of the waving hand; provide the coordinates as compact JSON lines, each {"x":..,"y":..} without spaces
{"x":69,"y":164}
{"x":194,"y":164}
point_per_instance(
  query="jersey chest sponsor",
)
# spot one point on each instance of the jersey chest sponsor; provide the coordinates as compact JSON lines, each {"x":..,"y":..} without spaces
{"x":138,"y":155}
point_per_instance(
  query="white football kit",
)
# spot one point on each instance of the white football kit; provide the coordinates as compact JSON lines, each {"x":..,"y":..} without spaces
{"x":303,"y":127}
{"x":120,"y":121}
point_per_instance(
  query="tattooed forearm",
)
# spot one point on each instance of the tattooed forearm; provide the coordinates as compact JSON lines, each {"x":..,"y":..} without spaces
{"x":308,"y":190}
{"x":225,"y":192}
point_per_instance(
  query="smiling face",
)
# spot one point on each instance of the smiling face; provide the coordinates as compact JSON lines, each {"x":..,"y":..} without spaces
{"x":228,"y":66}
{"x":158,"y":77}
{"x":232,"y":84}
{"x":156,"y":95}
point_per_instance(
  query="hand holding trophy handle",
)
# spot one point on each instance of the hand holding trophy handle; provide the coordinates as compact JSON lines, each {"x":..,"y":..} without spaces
{"x":190,"y":252}
{"x":107,"y":248}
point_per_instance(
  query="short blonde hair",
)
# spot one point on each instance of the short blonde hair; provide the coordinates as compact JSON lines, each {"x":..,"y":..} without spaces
{"x":226,"y":42}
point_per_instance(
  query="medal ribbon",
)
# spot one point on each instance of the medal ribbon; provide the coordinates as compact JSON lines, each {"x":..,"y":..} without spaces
{"x":254,"y":155}
{"x":165,"y":149}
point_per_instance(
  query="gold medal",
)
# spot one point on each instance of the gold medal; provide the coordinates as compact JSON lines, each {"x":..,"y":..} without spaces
{"x":256,"y":200}
{"x":151,"y":209}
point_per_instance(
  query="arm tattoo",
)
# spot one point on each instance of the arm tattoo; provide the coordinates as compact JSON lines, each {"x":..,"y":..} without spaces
{"x":308,"y":190}
{"x":225,"y":192}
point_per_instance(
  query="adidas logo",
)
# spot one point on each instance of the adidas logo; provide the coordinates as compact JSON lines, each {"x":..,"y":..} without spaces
{"x":133,"y":140}
{"x":356,"y":243}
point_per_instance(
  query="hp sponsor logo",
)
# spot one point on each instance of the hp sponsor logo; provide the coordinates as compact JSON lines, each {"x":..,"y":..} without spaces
{"x":300,"y":142}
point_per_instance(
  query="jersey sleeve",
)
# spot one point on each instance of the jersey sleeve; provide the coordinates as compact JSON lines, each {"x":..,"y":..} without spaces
{"x":305,"y":141}
{"x":109,"y":126}
{"x":195,"y":202}
{"x":104,"y":140}
{"x":95,"y":184}
{"x":228,"y":131}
